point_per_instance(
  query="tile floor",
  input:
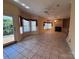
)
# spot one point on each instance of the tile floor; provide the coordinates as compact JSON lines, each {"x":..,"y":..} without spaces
{"x":43,"y":46}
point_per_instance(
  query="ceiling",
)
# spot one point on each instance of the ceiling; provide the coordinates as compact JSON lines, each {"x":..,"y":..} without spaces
{"x":50,"y":9}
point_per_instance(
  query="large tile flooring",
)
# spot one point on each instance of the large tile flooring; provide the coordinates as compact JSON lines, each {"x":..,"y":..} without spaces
{"x":43,"y":46}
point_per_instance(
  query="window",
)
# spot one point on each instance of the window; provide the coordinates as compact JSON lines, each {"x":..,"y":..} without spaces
{"x":26,"y":26}
{"x":33,"y":26}
{"x":47,"y":25}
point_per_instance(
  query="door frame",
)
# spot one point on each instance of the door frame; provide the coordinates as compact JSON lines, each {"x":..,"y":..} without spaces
{"x":10,"y":43}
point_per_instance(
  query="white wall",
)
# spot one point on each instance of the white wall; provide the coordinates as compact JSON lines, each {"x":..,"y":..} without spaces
{"x":71,"y":36}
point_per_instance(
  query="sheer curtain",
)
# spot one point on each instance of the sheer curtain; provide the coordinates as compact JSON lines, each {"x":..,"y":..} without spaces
{"x":33,"y":26}
{"x":26,"y":25}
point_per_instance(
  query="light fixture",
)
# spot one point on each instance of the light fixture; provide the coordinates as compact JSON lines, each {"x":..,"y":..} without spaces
{"x":55,"y":20}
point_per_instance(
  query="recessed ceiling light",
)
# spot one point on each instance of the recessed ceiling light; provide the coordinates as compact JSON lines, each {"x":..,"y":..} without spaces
{"x":27,"y":7}
{"x":23,"y":4}
{"x":16,"y":0}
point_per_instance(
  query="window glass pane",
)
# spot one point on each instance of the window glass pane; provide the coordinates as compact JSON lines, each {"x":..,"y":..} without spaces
{"x":26,"y":26}
{"x":33,"y":26}
{"x":8,"y":27}
{"x":47,"y":26}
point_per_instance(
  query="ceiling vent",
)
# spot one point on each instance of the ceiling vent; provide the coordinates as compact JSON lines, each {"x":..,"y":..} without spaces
{"x":46,"y":12}
{"x":58,"y":5}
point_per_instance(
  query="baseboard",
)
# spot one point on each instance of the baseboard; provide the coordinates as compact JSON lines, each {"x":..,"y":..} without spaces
{"x":8,"y":44}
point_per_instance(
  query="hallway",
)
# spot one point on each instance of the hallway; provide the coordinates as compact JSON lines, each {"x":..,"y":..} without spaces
{"x":42,"y":46}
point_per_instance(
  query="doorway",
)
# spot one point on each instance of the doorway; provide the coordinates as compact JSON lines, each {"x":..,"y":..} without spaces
{"x":8,"y":30}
